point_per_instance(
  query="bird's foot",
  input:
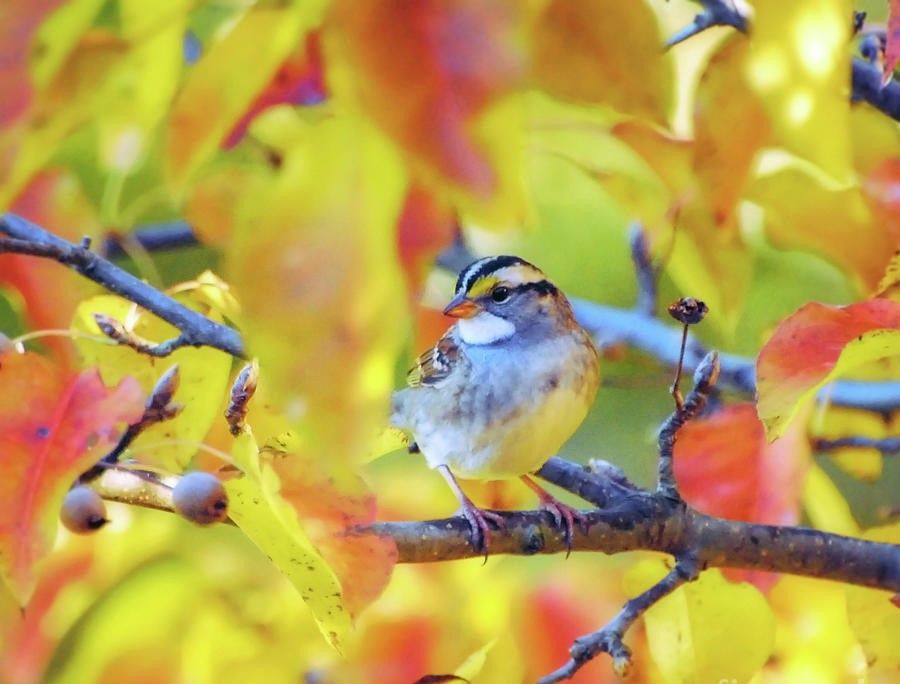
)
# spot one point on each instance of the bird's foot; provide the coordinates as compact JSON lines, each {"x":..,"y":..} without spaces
{"x":480,"y":525}
{"x":564,"y":516}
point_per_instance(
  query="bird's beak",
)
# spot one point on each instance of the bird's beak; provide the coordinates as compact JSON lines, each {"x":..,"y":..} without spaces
{"x":462,"y":307}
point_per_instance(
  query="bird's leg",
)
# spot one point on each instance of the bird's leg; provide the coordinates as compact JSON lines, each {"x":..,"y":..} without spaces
{"x":564,"y":515}
{"x":477,"y":518}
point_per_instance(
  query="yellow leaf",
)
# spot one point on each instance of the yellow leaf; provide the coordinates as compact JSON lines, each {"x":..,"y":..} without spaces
{"x":798,"y":67}
{"x":801,"y":212}
{"x":319,"y":281}
{"x":874,"y":618}
{"x":826,"y":507}
{"x":709,"y":630}
{"x":271,"y":523}
{"x":224,"y":82}
{"x":203,"y":377}
{"x":580,"y":54}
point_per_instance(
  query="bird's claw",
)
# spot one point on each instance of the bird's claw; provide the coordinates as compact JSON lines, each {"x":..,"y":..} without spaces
{"x":479,"y":526}
{"x":565,"y":518}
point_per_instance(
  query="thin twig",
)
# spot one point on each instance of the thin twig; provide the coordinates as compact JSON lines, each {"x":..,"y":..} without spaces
{"x":866,"y":85}
{"x":152,"y":238}
{"x":886,"y":445}
{"x":645,"y":271}
{"x":704,"y":380}
{"x":195,"y":329}
{"x":609,"y":639}
{"x":159,"y":407}
{"x":714,"y":13}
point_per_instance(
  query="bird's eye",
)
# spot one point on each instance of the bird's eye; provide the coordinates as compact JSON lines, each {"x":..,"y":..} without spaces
{"x":500,"y":294}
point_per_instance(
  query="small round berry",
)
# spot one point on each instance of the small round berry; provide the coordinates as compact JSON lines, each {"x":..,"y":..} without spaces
{"x":200,"y":497}
{"x":83,"y":511}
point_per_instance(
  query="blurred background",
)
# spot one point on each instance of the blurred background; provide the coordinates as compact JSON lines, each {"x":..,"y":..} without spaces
{"x":319,"y":157}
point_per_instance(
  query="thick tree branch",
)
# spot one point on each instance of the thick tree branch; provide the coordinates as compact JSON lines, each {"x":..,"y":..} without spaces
{"x":196,"y":329}
{"x":633,"y":520}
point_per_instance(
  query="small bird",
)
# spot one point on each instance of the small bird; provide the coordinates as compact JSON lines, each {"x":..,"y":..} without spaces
{"x":503,"y":389}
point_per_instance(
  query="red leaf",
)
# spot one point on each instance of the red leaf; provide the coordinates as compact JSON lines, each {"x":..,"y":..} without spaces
{"x":724,"y":466}
{"x":426,"y":70}
{"x":892,"y":49}
{"x":425,"y":227}
{"x":51,"y":429}
{"x":807,"y":346}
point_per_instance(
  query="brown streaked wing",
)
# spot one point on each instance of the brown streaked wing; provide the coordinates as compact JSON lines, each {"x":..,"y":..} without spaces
{"x":435,"y":364}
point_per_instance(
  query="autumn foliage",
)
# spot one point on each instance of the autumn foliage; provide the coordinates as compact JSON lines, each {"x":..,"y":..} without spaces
{"x":324,"y":154}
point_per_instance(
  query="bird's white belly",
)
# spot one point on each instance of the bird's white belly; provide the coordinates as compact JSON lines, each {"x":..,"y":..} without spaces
{"x":517,"y":445}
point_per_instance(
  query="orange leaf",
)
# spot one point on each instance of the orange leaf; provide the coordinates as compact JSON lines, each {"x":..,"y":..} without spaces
{"x":806,"y":348}
{"x":51,"y":429}
{"x":604,"y":51}
{"x":892,"y":49}
{"x":328,"y":504}
{"x":803,"y":213}
{"x":723,"y":105}
{"x":425,"y":71}
{"x":881,"y":188}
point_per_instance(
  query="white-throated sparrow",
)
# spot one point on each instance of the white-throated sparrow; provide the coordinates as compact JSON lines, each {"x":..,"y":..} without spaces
{"x":504,"y":388}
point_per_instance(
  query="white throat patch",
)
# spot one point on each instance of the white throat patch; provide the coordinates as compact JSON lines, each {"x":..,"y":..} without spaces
{"x":485,"y":328}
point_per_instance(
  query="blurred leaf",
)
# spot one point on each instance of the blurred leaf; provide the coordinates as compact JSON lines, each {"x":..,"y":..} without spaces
{"x":603,"y":51}
{"x":730,"y":127}
{"x":321,"y":288}
{"x":825,"y":506}
{"x":428,"y":88}
{"x":725,"y":467}
{"x":298,"y":80}
{"x":874,"y":619}
{"x":22,"y":22}
{"x":801,"y":213}
{"x":164,"y":592}
{"x":55,"y":201}
{"x":892,"y":48}
{"x":875,"y":137}
{"x":881,"y":188}
{"x":51,"y":429}
{"x":889,"y":285}
{"x":222,"y":85}
{"x":835,"y":422}
{"x":814,"y":643}
{"x":78,"y":91}
{"x":798,"y":67}
{"x":203,"y":375}
{"x":705,"y":631}
{"x":426,"y":225}
{"x":815,"y":345}
{"x":269,"y":521}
